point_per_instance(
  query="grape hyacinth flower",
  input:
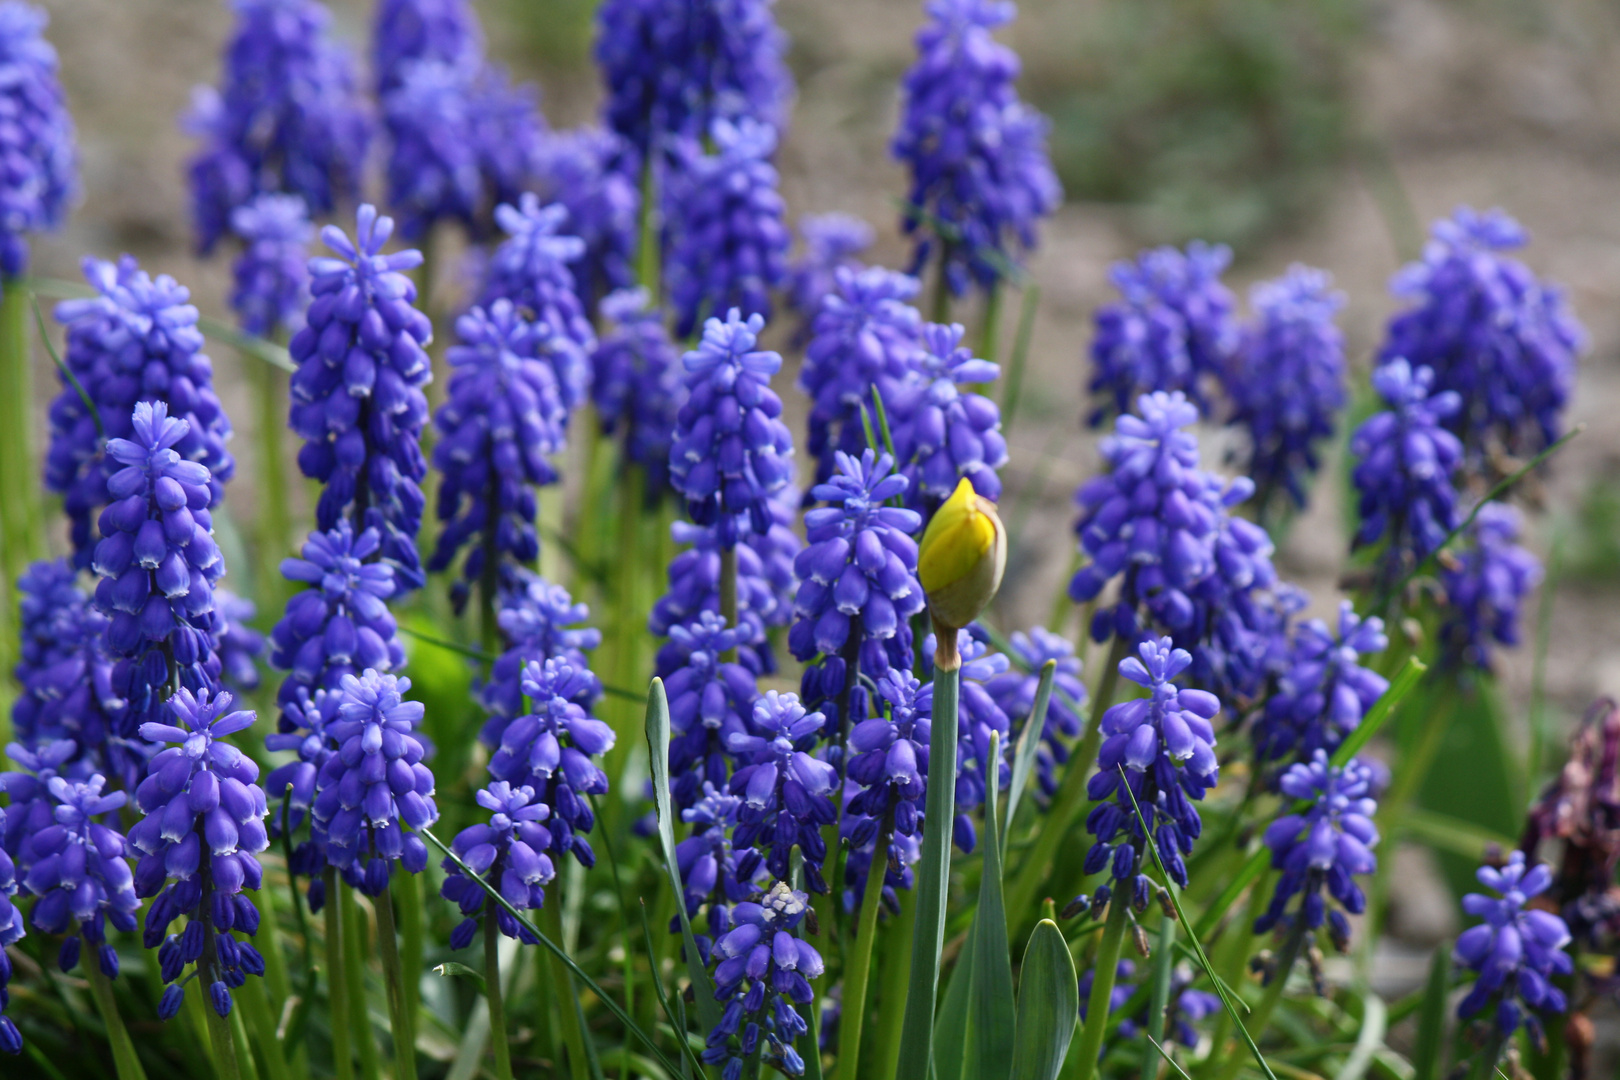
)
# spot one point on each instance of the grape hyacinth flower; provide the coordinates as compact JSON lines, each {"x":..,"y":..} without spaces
{"x":1287,"y":380}
{"x":1173,"y":328}
{"x":945,"y":432}
{"x":409,"y":30}
{"x":1486,"y":586}
{"x":1324,"y":691}
{"x":672,"y":67}
{"x":135,"y":341}
{"x":787,"y":794}
{"x":238,"y":645}
{"x":32,"y":807}
{"x":1505,"y":341}
{"x":77,"y":869}
{"x":1516,"y":951}
{"x":858,"y":587}
{"x":1185,"y":1007}
{"x":710,"y":701}
{"x":888,"y":765}
{"x":64,"y":670}
{"x":461,"y":139}
{"x":731,"y":450}
{"x":302,"y":729}
{"x":287,"y":118}
{"x":1404,"y":473}
{"x":509,"y":851}
{"x":578,"y":169}
{"x":762,"y":970}
{"x":728,"y":240}
{"x":980,"y":175}
{"x":539,"y":622}
{"x":503,"y":416}
{"x":271,"y":277}
{"x":530,"y":268}
{"x":203,"y":826}
{"x":709,"y":861}
{"x":1166,"y":746}
{"x":357,"y":397}
{"x":636,"y":382}
{"x":831,"y":243}
{"x":550,"y":749}
{"x":375,"y":785}
{"x":42,"y":168}
{"x":11,"y":932}
{"x":340,"y":625}
{"x":1329,"y":844}
{"x":158,"y":565}
{"x":864,"y":337}
{"x":1014,"y":693}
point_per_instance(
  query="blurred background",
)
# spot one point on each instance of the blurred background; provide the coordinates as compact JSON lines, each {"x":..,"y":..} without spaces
{"x":1327,"y":131}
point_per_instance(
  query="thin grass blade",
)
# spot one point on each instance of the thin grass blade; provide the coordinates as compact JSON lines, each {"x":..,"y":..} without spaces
{"x":1428,"y":1052}
{"x":1029,"y":741}
{"x":991,"y":1014}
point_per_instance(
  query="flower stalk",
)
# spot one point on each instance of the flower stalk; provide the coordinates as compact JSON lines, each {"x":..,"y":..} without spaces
{"x":1104,"y":969}
{"x":494,"y":995}
{"x":404,"y":1024}
{"x":337,"y":993}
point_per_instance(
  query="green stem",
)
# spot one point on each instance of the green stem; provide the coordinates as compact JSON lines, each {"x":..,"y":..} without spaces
{"x":1020,"y":358}
{"x":1257,"y":1021}
{"x":1235,"y":944}
{"x":253,"y":998}
{"x":858,"y":961}
{"x":410,"y":941}
{"x":354,"y":975}
{"x":649,"y":260}
{"x":1071,"y":796}
{"x":990,"y":332}
{"x":934,"y":868}
{"x":1484,"y":1066}
{"x":942,"y":288}
{"x":494,"y":996}
{"x":1102,"y":984}
{"x":219,"y":1027}
{"x":897,"y":952}
{"x":337,"y":996}
{"x":404,"y":1024}
{"x":728,"y":593}
{"x":126,"y":1063}
{"x":19,"y":482}
{"x":566,"y":996}
{"x":1164,"y":970}
{"x":275,"y":529}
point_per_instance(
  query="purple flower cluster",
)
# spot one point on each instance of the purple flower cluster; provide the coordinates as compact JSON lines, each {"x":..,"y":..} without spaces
{"x":578,"y":169}
{"x":865,"y":337}
{"x":158,"y":565}
{"x":271,"y":276}
{"x":539,"y":621}
{"x":888,"y":767}
{"x":340,"y":625}
{"x":1323,"y":691}
{"x":461,"y":141}
{"x":1014,"y":693}
{"x":1407,"y":459}
{"x":858,"y":586}
{"x":1327,"y":844}
{"x":288,"y":118}
{"x":1490,"y":330}
{"x":1486,"y":586}
{"x":762,"y":970}
{"x":728,"y":241}
{"x":1185,"y":1007}
{"x":1163,"y":747}
{"x":636,"y":382}
{"x":787,"y":794}
{"x":980,"y":176}
{"x":357,"y":397}
{"x":203,"y":826}
{"x":1173,"y":328}
{"x":239,"y":645}
{"x":710,"y":701}
{"x":673,"y":66}
{"x":530,"y":268}
{"x":550,"y":749}
{"x":503,"y":417}
{"x":64,"y":670}
{"x":135,"y":341}
{"x":944,"y":431}
{"x":831,"y":243}
{"x":36,"y":137}
{"x":1287,"y":380}
{"x":509,"y":851}
{"x":1516,"y":950}
{"x":302,"y":729}
{"x":406,"y":31}
{"x":11,"y":932}
{"x":709,"y":861}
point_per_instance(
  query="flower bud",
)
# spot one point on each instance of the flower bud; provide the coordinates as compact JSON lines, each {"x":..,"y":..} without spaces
{"x":962,"y":557}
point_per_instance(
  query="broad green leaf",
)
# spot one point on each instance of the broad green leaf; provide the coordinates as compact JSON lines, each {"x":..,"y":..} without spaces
{"x":951,"y":1025}
{"x":1431,"y":1033}
{"x":990,"y":991}
{"x":1048,"y":1005}
{"x":658,"y":753}
{"x":1029,"y":741}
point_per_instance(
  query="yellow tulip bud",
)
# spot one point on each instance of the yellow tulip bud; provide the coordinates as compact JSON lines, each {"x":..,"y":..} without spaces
{"x":962,"y":557}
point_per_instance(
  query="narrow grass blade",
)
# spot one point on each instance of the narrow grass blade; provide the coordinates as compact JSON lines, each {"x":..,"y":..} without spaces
{"x":67,"y":372}
{"x":990,"y":992}
{"x":1427,"y":1054}
{"x":1452,"y":835}
{"x":1374,"y":1026}
{"x":1020,"y":355}
{"x":658,"y":754}
{"x":1168,"y":1059}
{"x":1029,"y":741}
{"x":1048,"y":1005}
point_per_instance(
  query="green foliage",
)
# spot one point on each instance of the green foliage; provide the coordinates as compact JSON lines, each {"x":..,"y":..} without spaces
{"x":1048,"y":1002}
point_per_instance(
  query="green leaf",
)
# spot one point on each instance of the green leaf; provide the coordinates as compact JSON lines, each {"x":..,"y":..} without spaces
{"x":658,"y":753}
{"x":1431,"y":1033}
{"x":990,"y":990}
{"x":1462,"y":838}
{"x":450,"y":967}
{"x":1374,"y":1026}
{"x":1048,"y":1005}
{"x":1029,"y":741}
{"x":951,"y":1025}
